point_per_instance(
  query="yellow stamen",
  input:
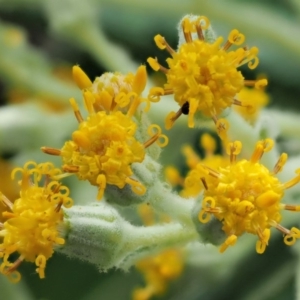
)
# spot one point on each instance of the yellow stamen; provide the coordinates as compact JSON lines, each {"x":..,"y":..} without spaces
{"x":280,"y":163}
{"x":156,"y":66}
{"x":222,"y":126}
{"x":261,"y":147}
{"x":51,"y":151}
{"x":89,"y":101}
{"x":70,"y":169}
{"x":135,"y":102}
{"x":230,"y":241}
{"x":76,"y":110}
{"x":263,"y":241}
{"x":40,"y":262}
{"x":80,"y":78}
{"x":101,"y":182}
{"x":161,"y":43}
{"x":208,"y":143}
{"x":290,"y":207}
{"x":293,"y":181}
{"x":187,"y":27}
{"x":233,"y":149}
{"x":140,"y":80}
{"x":136,"y":186}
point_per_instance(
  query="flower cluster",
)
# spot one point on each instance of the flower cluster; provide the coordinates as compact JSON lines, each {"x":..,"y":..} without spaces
{"x":245,"y":196}
{"x":203,"y":75}
{"x":32,"y":226}
{"x":104,"y":147}
{"x":110,"y":149}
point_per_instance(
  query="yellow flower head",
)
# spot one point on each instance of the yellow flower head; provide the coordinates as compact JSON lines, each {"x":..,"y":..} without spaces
{"x":112,"y":91}
{"x":203,"y":75}
{"x":246,"y":197}
{"x":104,"y":146}
{"x":158,"y":271}
{"x":31,"y":228}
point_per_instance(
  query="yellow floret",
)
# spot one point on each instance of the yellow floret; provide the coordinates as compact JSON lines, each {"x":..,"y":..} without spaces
{"x":204,"y":76}
{"x":31,"y":228}
{"x":104,"y":146}
{"x":245,"y":196}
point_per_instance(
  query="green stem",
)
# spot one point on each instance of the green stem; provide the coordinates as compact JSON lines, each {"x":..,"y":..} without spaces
{"x":161,"y":236}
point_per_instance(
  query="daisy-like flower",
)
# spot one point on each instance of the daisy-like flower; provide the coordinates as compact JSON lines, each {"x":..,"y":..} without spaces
{"x":202,"y":74}
{"x":104,"y":146}
{"x":246,"y":197}
{"x":31,"y":229}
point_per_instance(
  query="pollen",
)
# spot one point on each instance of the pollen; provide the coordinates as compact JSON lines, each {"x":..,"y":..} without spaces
{"x":204,"y":74}
{"x":31,"y":229}
{"x":104,"y":146}
{"x":246,"y":197}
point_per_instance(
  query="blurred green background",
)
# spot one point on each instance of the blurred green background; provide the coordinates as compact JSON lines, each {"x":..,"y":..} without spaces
{"x":39,"y":43}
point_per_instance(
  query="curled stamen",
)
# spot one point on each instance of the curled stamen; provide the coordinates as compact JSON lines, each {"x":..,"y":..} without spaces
{"x":155,"y":93}
{"x":203,"y":21}
{"x":250,"y":57}
{"x":236,"y":38}
{"x":263,"y":240}
{"x":161,"y":139}
{"x":13,"y":275}
{"x":290,"y":238}
{"x":208,"y":202}
{"x":40,"y":262}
